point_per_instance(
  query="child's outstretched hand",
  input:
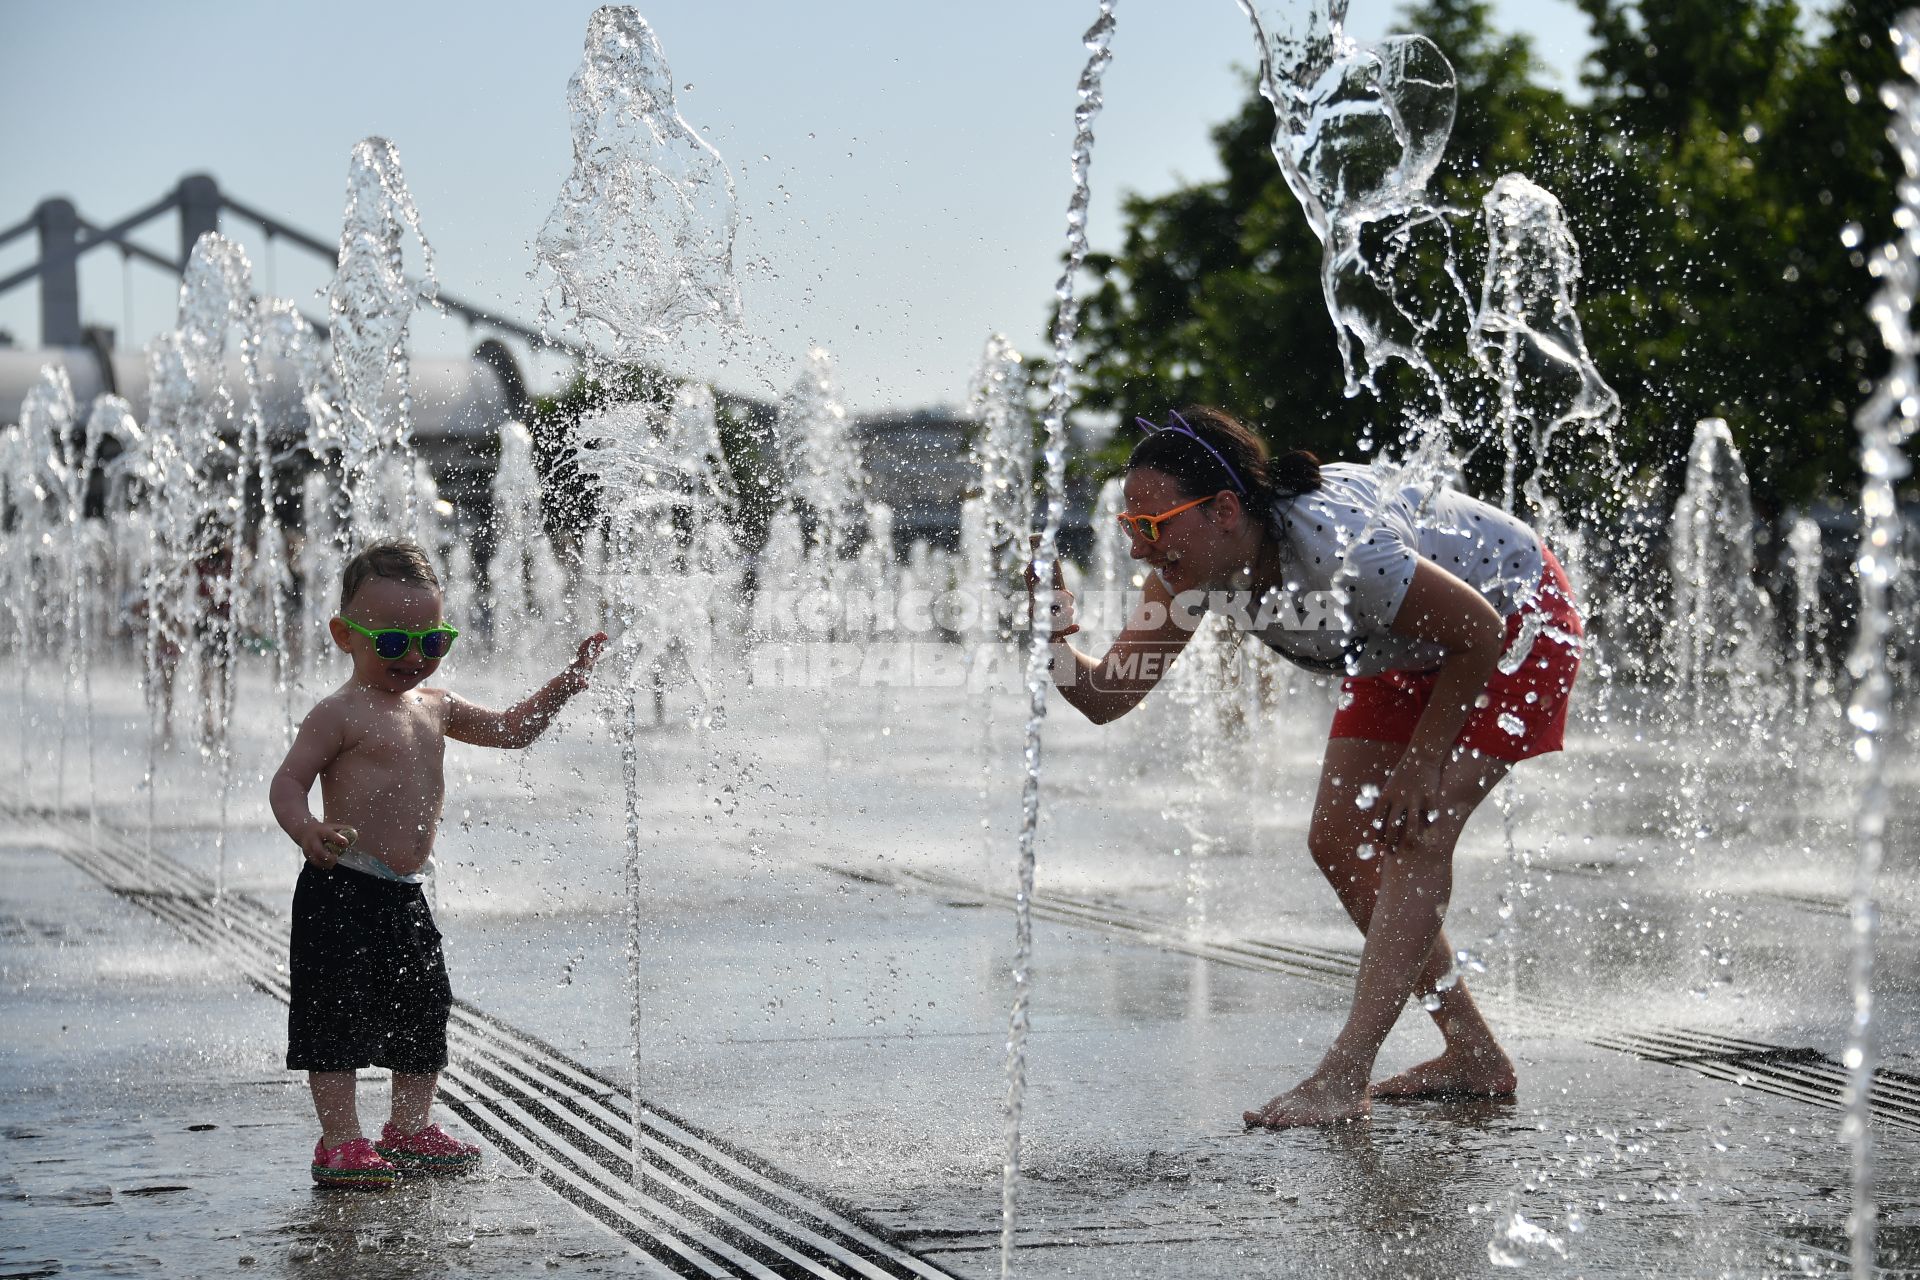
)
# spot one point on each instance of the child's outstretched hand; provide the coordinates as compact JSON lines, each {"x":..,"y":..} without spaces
{"x":326,"y":841}
{"x":581,"y":668}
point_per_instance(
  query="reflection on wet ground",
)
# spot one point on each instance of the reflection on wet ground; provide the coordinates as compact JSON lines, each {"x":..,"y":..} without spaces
{"x":146,"y":1127}
{"x":846,"y":1029}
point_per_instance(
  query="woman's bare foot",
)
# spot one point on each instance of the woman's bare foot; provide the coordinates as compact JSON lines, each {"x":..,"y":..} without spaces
{"x":1322,"y":1098}
{"x":1457,"y":1073}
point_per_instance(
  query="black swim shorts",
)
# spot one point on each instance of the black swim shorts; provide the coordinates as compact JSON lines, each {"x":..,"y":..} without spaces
{"x":369,"y":983}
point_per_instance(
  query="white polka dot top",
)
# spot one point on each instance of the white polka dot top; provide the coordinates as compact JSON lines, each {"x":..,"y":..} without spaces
{"x":1491,"y":551}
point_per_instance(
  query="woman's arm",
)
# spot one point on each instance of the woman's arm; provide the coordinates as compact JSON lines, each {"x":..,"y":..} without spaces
{"x":1444,"y":610}
{"x":1104,"y":689}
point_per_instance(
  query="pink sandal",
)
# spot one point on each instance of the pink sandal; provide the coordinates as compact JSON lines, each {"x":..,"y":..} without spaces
{"x":431,"y":1150}
{"x":354,"y":1163}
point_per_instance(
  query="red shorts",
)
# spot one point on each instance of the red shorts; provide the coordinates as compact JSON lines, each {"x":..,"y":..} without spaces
{"x":1519,"y":715}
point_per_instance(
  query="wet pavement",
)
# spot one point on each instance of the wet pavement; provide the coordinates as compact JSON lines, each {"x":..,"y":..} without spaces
{"x":148,"y":1128}
{"x":825,"y":1005}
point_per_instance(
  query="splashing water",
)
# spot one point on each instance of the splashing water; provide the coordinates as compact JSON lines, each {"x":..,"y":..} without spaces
{"x":1804,"y":564}
{"x":523,"y":570}
{"x":1527,"y":335}
{"x":164,"y":468}
{"x":1098,"y":40}
{"x":820,"y":459}
{"x":371,"y":302}
{"x":203,"y":584}
{"x":285,"y":333}
{"x":201,"y":503}
{"x":1528,"y":338}
{"x":976,"y":549}
{"x":1885,"y":422}
{"x":782,"y":558}
{"x":617,"y":450}
{"x":640,"y":240}
{"x":995,"y":522}
{"x":652,"y":468}
{"x":325,"y":517}
{"x":1003,"y":451}
{"x":20,"y":493}
{"x":1111,"y":571}
{"x":706,"y":554}
{"x":111,"y":418}
{"x":713,"y":578}
{"x":321,"y":524}
{"x":1717,"y":634}
{"x":1519,"y":1243}
{"x":47,"y":419}
{"x":639,"y":245}
{"x":278,"y":332}
{"x":817,"y":449}
{"x":1211,"y":725}
{"x":1358,"y":133}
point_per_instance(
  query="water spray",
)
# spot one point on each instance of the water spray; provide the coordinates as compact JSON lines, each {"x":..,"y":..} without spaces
{"x":1066,"y":324}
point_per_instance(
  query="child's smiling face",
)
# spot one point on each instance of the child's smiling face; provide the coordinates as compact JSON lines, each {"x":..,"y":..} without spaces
{"x":384,"y":603}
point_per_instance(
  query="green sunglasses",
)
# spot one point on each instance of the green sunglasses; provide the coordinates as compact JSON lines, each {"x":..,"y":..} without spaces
{"x":392,"y":642}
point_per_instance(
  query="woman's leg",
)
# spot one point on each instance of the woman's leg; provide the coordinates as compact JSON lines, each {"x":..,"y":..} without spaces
{"x":1399,"y":898}
{"x":1473,"y":1063}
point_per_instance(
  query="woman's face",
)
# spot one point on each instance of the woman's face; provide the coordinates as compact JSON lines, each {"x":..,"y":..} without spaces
{"x":1192,"y":551}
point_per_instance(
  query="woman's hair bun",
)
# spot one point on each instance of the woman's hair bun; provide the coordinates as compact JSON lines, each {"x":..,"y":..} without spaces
{"x":1293,"y":473}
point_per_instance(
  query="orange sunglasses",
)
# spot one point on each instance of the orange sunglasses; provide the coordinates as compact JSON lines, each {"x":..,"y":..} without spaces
{"x":1148,"y":527}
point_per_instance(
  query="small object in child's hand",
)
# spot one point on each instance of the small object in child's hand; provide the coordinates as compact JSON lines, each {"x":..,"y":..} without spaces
{"x":346,"y":837}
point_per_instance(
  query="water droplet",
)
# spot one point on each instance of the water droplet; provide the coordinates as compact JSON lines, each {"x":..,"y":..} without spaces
{"x":1517,"y":1242}
{"x":607,"y":239}
{"x":1368,"y":797}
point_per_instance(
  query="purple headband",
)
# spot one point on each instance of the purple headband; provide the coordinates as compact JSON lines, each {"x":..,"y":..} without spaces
{"x":1153,"y":428}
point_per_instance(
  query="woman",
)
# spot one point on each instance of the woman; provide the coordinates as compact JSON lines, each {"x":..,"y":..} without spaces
{"x":1458,"y":638}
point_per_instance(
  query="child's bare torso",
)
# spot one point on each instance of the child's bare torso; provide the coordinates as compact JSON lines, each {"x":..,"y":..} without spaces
{"x":388,"y":781}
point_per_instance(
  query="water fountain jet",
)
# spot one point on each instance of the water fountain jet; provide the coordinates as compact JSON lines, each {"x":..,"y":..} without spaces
{"x":1099,"y":43}
{"x":371,"y":303}
{"x":1885,"y":422}
{"x":638,"y":247}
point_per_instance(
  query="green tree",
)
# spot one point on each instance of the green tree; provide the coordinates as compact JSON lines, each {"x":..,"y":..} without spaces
{"x":1709,"y":177}
{"x":1215,"y":294}
{"x":1721,"y":161}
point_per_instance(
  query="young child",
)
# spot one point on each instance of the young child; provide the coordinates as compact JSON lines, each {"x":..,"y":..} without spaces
{"x":369,"y":984}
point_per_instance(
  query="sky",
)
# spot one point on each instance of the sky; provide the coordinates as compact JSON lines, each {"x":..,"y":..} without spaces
{"x":901,"y":167}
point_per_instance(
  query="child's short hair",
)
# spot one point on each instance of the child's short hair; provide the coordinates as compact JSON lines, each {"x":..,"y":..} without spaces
{"x":401,"y":561}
